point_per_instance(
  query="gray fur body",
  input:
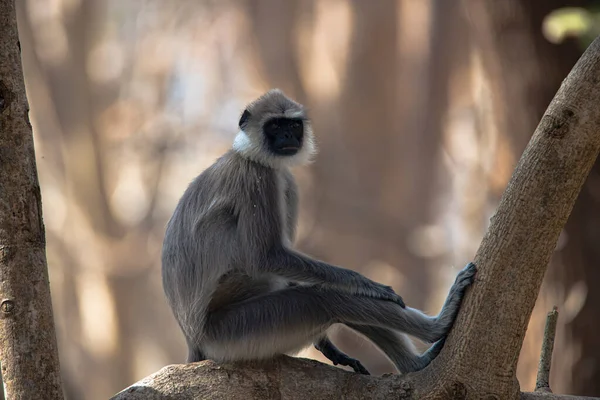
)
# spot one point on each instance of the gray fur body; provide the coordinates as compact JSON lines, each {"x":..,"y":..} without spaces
{"x":238,"y":289}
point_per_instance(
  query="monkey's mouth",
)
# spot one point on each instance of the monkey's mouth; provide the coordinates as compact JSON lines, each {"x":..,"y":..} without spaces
{"x":288,"y":150}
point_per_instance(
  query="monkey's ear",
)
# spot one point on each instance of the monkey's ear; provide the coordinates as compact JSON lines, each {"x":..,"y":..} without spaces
{"x":244,"y":118}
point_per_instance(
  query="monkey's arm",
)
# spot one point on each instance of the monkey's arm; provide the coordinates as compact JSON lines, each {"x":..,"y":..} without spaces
{"x":263,"y":248}
{"x":296,"y":266}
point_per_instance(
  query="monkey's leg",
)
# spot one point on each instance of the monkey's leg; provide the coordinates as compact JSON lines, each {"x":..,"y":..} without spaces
{"x":290,"y":319}
{"x":451,"y":306}
{"x":398,"y":347}
{"x":421,"y":326}
{"x":336,"y":356}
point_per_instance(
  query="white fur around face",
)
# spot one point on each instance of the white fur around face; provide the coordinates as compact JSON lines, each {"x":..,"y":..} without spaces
{"x":255,"y":150}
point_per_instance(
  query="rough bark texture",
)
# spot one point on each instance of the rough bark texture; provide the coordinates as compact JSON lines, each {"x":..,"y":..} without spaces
{"x":285,"y":378}
{"x":480,"y":356}
{"x":524,"y":71}
{"x":28,"y":350}
{"x":543,"y":376}
{"x":484,"y":346}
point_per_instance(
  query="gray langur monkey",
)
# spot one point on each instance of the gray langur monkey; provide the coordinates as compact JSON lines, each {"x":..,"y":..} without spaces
{"x":238,"y":289}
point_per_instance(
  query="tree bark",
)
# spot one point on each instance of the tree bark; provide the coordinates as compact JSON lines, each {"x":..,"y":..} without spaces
{"x":525,"y":70}
{"x":516,"y":250}
{"x":480,"y":356}
{"x":28,"y":350}
{"x":284,"y":378}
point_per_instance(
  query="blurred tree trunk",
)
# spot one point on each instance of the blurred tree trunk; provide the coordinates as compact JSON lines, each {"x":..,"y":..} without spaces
{"x":373,"y":239}
{"x":524,"y":71}
{"x":77,"y":151}
{"x":28,"y":348}
{"x":385,"y":172}
{"x":97,"y":253}
{"x":570,"y":283}
{"x":389,"y":180}
{"x":275,"y":26}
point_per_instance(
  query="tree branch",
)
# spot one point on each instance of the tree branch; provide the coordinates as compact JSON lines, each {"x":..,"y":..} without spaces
{"x":542,"y":383}
{"x":283,"y":378}
{"x":480,"y":355}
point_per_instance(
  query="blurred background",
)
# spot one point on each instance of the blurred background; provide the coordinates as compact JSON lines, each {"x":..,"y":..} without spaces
{"x":421,"y":110}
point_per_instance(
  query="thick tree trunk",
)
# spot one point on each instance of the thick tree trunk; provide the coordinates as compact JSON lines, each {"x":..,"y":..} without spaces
{"x":480,"y":356}
{"x":524,"y":70}
{"x":485,"y":343}
{"x":28,"y":350}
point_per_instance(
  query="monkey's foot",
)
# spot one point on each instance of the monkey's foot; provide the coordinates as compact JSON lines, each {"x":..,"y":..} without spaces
{"x":352,"y":363}
{"x":466,"y":276}
{"x":336,"y":356}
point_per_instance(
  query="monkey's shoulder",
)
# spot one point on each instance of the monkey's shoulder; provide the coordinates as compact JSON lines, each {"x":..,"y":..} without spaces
{"x":233,"y":182}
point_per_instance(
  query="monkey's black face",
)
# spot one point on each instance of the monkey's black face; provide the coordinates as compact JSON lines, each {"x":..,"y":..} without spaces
{"x":284,"y":135}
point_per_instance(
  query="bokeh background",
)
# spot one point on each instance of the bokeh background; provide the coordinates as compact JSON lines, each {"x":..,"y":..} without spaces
{"x":421,"y":110}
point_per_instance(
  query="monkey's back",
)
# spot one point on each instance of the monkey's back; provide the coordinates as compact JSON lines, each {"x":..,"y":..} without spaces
{"x":202,"y":247}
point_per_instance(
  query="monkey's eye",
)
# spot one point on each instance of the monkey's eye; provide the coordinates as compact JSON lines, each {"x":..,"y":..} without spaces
{"x":273,"y":126}
{"x":295,"y":124}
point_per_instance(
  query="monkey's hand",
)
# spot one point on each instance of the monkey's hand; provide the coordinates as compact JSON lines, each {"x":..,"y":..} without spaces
{"x":387,"y":293}
{"x":350,"y":362}
{"x":379,"y":291}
